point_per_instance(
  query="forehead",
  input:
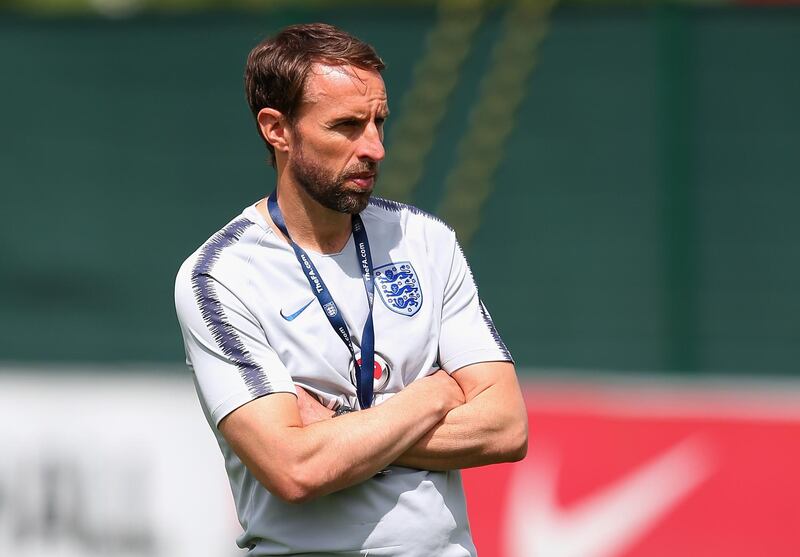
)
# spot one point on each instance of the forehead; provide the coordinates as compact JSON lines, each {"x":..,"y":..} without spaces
{"x":332,"y":88}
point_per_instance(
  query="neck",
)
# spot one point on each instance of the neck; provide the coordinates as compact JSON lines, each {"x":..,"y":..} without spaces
{"x":311,"y":225}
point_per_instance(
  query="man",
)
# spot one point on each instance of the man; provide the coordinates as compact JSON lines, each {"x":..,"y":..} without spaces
{"x":340,"y":350}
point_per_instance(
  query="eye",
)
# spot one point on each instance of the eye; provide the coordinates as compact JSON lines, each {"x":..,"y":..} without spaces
{"x":347,"y":124}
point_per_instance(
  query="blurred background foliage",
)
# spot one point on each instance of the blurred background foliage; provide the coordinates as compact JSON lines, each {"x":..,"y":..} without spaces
{"x":624,"y":175}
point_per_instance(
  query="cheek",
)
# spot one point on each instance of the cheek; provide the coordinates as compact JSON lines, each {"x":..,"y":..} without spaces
{"x":325,"y":148}
{"x":336,"y":153}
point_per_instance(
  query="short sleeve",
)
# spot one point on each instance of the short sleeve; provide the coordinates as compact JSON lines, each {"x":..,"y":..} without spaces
{"x":225,"y":346}
{"x":468,"y":335}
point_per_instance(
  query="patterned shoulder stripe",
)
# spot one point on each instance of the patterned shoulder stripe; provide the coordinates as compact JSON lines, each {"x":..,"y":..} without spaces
{"x":396,"y":207}
{"x":211,"y":250}
{"x":487,"y":319}
{"x":213,"y":314}
{"x":493,"y":331}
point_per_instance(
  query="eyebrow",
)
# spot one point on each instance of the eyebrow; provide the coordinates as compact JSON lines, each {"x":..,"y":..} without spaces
{"x":359,"y":116}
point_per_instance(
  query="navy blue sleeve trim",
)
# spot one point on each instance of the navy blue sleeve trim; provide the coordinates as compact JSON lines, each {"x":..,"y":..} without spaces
{"x":396,"y":207}
{"x":484,"y":313}
{"x":493,"y":330}
{"x":213,"y":314}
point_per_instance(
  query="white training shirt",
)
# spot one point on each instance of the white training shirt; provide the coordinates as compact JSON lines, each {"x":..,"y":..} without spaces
{"x":252,"y":326}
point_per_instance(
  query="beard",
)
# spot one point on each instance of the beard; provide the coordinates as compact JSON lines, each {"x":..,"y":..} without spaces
{"x":327,"y":187}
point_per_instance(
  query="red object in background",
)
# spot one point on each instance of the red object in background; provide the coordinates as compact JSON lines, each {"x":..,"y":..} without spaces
{"x":616,"y":471}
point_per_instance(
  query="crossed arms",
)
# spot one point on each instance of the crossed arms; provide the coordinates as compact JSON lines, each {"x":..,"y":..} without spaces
{"x":475,"y":416}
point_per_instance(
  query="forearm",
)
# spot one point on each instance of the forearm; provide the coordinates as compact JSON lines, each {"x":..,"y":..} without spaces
{"x":490,"y":427}
{"x":297,"y":460}
{"x":334,"y":454}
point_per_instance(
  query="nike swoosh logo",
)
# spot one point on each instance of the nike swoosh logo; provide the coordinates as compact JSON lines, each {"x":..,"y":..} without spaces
{"x":295,"y":314}
{"x":608,"y":521}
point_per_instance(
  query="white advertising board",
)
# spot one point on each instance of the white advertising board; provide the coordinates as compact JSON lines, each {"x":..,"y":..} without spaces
{"x":112,"y":463}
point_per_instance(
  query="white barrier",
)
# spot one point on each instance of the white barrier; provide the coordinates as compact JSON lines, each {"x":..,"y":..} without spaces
{"x":111,"y":463}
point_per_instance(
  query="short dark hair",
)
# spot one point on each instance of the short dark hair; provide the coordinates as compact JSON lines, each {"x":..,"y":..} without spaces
{"x":277,"y":68}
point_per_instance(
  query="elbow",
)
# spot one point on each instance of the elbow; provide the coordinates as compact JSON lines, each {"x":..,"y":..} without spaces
{"x":517,"y":441}
{"x":519,"y":449}
{"x":292,"y":493}
{"x":296,"y":487}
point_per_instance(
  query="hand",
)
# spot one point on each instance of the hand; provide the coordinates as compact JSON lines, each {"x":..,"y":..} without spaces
{"x":311,"y":409}
{"x":441,"y":387}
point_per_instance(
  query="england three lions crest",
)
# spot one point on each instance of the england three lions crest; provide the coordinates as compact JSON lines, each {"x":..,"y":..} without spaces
{"x":399,"y":287}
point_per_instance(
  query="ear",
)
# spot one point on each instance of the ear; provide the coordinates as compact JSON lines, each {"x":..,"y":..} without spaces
{"x":274,"y":128}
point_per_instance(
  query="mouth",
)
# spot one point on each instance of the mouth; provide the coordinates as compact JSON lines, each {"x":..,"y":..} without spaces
{"x":363,"y":180}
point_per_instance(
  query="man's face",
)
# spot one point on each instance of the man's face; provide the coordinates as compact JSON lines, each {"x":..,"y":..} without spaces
{"x":338,"y":136}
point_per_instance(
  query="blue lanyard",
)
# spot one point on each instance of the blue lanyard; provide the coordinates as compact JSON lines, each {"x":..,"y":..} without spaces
{"x":364,"y":371}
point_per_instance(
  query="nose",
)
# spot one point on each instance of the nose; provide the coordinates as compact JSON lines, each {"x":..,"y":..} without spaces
{"x":370,"y":144}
